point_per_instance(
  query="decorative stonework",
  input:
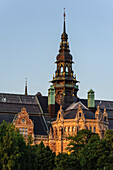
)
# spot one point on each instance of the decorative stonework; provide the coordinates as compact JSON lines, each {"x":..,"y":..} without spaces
{"x":24,"y":123}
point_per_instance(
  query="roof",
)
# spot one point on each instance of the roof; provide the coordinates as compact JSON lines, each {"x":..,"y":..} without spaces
{"x":11,"y":104}
{"x":39,"y":125}
{"x":71,"y":111}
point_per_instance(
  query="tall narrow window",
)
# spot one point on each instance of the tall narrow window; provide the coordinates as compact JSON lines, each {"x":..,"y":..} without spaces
{"x":65,"y":129}
{"x":67,"y":69}
{"x":73,"y":129}
{"x":61,"y":69}
{"x":26,"y":132}
{"x":23,"y":131}
{"x":20,"y":130}
{"x":94,"y":129}
{"x":79,"y":114}
{"x":69,"y":129}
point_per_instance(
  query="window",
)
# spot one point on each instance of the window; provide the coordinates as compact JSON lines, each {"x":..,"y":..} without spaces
{"x":65,"y":129}
{"x":23,"y":131}
{"x":26,"y":132}
{"x":61,"y":69}
{"x":20,"y":130}
{"x":90,"y":128}
{"x":94,"y":129}
{"x":73,"y":129}
{"x":69,"y":129}
{"x":79,"y":114}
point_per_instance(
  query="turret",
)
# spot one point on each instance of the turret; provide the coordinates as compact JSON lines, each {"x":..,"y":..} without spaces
{"x":91,"y":99}
{"x":51,"y":101}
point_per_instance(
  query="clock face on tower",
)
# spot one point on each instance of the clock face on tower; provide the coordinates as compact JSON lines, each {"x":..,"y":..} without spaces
{"x":23,"y":120}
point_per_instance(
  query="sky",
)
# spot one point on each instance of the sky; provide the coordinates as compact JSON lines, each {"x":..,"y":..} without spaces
{"x":30,"y":33}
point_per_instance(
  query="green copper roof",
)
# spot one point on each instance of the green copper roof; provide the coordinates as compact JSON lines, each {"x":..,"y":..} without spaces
{"x":90,"y":91}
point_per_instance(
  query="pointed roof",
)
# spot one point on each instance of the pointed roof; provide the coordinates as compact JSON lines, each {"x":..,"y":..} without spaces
{"x":26,"y":87}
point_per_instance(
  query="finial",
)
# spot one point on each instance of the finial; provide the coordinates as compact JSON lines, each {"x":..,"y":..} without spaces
{"x":64,"y":14}
{"x":79,"y":106}
{"x":25,"y":86}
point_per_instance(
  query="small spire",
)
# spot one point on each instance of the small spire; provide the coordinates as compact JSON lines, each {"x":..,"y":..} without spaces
{"x":26,"y":86}
{"x":64,"y":22}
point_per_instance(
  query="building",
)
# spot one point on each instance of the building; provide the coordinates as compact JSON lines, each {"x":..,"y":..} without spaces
{"x":52,"y":118}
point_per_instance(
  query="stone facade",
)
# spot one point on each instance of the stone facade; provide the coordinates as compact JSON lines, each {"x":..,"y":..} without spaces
{"x":63,"y":127}
{"x":24,"y":124}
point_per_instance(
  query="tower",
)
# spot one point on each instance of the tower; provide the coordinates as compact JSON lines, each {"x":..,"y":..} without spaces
{"x":64,"y":82}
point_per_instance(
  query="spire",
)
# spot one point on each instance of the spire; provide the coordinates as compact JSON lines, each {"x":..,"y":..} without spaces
{"x":26,"y":86}
{"x":64,"y":22}
{"x":64,"y":36}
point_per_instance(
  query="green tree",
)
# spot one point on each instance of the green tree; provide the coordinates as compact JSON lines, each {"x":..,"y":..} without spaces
{"x":12,"y":147}
{"x":66,"y":162}
{"x":44,"y":157}
{"x":79,"y":141}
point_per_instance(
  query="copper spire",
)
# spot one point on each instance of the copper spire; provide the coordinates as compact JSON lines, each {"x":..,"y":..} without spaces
{"x":26,"y":86}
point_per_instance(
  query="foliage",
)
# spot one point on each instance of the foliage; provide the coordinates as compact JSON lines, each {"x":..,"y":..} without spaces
{"x":66,"y":162}
{"x":78,"y":141}
{"x":12,"y":147}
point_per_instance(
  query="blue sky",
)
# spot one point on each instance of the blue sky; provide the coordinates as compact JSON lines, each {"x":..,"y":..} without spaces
{"x":30,"y":37}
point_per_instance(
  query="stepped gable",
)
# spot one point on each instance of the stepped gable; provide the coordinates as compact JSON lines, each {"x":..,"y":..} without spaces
{"x":71,"y":111}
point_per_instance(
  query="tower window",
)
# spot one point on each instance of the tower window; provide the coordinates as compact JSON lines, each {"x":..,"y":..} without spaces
{"x":67,"y":69}
{"x":61,"y":69}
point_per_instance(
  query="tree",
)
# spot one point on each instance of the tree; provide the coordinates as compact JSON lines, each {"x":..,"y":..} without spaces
{"x":44,"y":157}
{"x":12,"y":147}
{"x":79,"y":141}
{"x":66,"y":162}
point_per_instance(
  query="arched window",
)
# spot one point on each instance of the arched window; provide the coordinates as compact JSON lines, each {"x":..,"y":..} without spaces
{"x":69,"y":129}
{"x":65,"y":129}
{"x":73,"y":128}
{"x":66,"y":69}
{"x":90,"y":128}
{"x":61,"y":69}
